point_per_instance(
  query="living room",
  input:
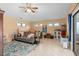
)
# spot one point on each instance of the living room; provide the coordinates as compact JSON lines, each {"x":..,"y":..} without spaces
{"x":34,"y":27}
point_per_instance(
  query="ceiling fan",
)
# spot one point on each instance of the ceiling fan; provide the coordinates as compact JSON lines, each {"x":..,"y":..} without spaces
{"x":29,"y":7}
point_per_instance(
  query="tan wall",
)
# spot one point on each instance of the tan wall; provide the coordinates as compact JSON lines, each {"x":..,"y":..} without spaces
{"x":9,"y":27}
{"x":66,"y":18}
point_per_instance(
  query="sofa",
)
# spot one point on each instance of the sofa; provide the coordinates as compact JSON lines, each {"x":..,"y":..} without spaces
{"x":27,"y":37}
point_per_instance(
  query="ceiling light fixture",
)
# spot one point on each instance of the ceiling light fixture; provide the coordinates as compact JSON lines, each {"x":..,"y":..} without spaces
{"x":41,"y":24}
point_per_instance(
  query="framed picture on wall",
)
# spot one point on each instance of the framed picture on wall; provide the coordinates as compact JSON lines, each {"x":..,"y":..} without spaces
{"x":44,"y":28}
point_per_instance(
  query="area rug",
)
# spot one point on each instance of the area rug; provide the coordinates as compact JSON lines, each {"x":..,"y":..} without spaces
{"x":16,"y":48}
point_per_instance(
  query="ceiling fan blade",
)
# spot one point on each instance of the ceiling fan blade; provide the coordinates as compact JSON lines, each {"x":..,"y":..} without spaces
{"x":34,"y":8}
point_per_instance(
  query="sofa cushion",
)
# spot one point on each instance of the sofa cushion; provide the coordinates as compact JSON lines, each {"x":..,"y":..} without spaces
{"x":30,"y":35}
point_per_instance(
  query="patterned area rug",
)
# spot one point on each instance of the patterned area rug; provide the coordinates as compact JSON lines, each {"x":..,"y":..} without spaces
{"x":16,"y":48}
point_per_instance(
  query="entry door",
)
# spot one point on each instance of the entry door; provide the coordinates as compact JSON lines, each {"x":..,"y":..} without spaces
{"x":76,"y":33}
{"x":1,"y":30}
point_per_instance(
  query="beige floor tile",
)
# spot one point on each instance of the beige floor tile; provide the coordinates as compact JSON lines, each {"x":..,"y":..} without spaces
{"x":50,"y":47}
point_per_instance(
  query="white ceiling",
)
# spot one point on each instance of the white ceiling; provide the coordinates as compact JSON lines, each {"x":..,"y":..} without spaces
{"x":45,"y":11}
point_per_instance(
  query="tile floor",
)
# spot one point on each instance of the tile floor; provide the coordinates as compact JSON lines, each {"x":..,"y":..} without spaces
{"x":50,"y":47}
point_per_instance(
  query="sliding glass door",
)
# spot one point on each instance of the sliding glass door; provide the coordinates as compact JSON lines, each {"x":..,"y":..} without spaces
{"x":76,"y":32}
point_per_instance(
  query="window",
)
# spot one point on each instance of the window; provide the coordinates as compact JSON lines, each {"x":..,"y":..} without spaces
{"x":23,"y":25}
{"x":18,"y":24}
{"x":50,"y":24}
{"x":56,"y":24}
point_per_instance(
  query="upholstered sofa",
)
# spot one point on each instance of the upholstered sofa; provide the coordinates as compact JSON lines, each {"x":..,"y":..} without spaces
{"x":25,"y":38}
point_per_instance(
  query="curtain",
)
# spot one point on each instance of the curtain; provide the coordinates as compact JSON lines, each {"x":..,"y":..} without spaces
{"x":69,"y":22}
